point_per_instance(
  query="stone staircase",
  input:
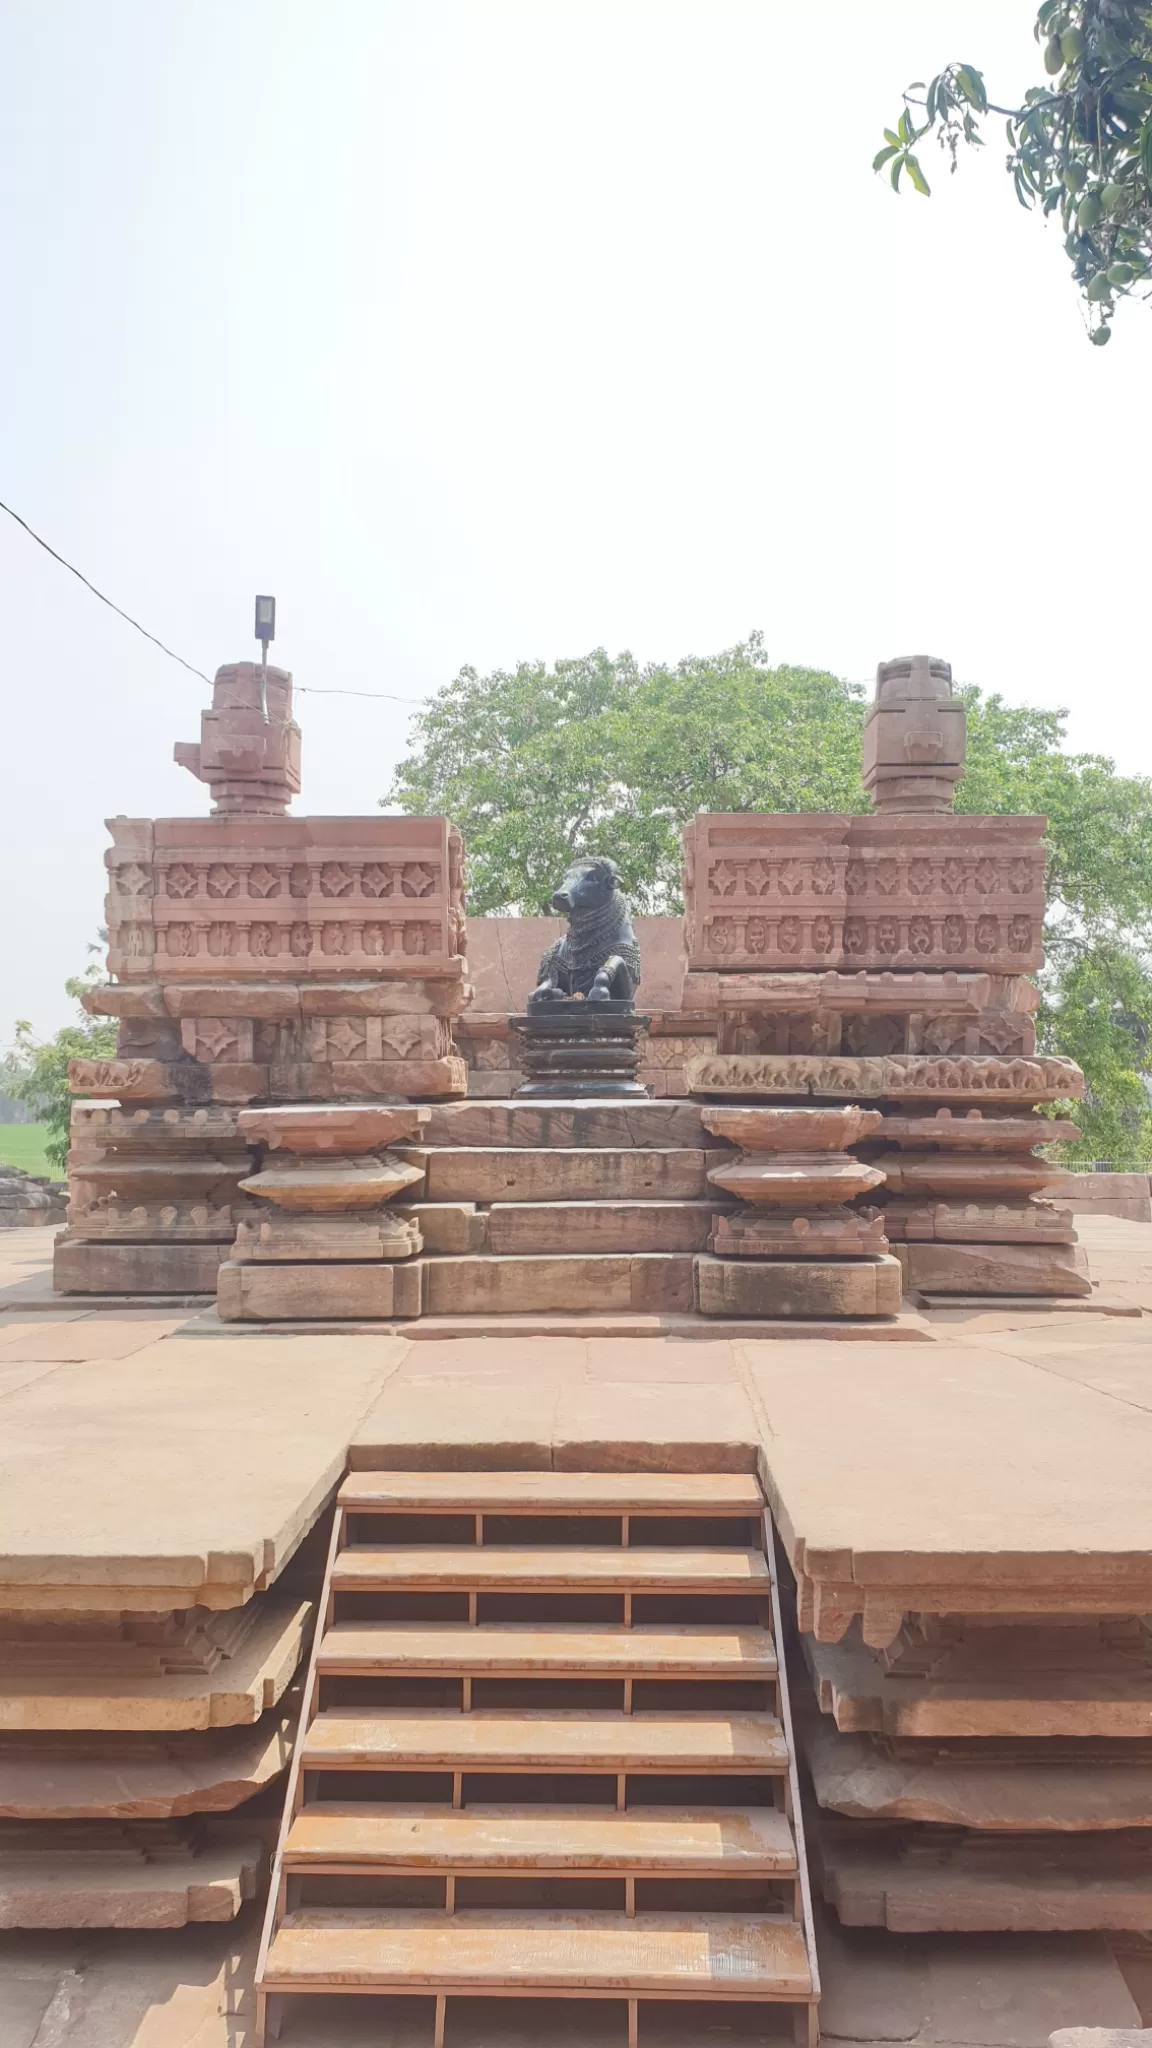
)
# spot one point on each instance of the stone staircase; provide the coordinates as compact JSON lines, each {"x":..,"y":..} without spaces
{"x":558,"y":1206}
{"x":545,"y":1753}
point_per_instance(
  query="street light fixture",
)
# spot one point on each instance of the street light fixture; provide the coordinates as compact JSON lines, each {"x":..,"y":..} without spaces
{"x":265,"y":631}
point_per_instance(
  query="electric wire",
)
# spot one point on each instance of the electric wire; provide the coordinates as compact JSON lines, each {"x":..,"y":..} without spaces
{"x":307,"y":689}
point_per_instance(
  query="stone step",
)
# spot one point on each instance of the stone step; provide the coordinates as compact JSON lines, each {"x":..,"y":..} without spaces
{"x":484,"y":1173}
{"x":149,"y":1875}
{"x":923,"y":1879}
{"x":348,"y":1739}
{"x":586,"y":1840}
{"x":633,"y":1283}
{"x":560,"y":1650}
{"x":555,"y":1493}
{"x":484,"y":1568}
{"x":209,"y":1670}
{"x":601,"y":1226}
{"x":1030,"y":1679}
{"x":124,"y":1776}
{"x":574,"y":1954}
{"x":1037,"y":1783}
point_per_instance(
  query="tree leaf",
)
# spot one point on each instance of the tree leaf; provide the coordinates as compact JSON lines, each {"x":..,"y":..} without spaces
{"x":904,"y":127}
{"x":971,"y":83}
{"x":897,"y":167}
{"x":882,"y":156}
{"x":917,"y":175}
{"x":891,"y":136}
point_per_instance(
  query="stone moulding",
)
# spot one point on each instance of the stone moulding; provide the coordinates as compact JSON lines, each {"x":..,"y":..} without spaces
{"x":777,"y":891}
{"x":894,"y":1078}
{"x":244,"y":896}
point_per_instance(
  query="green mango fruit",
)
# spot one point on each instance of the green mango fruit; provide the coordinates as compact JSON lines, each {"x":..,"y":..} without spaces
{"x":1075,"y":177}
{"x":1053,"y":56}
{"x":1101,"y":335}
{"x":1112,"y":196}
{"x":1099,"y":288}
{"x":1089,"y":211}
{"x":1071,"y":45}
{"x":1120,"y":273}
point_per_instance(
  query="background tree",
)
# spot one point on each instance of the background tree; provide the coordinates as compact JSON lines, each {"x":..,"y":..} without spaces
{"x":38,"y":1068}
{"x":1079,"y":145}
{"x":601,"y":755}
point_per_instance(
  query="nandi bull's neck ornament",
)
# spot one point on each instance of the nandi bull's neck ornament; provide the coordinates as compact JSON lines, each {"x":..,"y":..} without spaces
{"x":598,"y":958}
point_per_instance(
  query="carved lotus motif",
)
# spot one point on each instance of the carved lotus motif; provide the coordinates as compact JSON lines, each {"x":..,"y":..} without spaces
{"x":263,"y":881}
{"x":180,"y":880}
{"x":223,"y":881}
{"x":376,"y":880}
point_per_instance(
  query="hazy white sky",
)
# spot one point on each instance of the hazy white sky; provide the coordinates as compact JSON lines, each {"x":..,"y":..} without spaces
{"x":488,"y":329}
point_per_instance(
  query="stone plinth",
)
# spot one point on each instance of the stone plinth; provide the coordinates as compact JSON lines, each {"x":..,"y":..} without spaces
{"x":964,"y":1190}
{"x":320,"y":1244}
{"x":154,"y":1198}
{"x":580,"y":1048}
{"x":795,"y":1250}
{"x":969,"y":1209}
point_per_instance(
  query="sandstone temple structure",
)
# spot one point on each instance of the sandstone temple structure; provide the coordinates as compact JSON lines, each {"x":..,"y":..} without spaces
{"x":624,"y":1655}
{"x":880,"y":961}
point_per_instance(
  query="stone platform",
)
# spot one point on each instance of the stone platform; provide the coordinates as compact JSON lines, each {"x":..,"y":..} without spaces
{"x":149,"y":1464}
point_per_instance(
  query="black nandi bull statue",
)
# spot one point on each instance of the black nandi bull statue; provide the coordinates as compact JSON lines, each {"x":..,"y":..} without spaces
{"x":598,"y":957}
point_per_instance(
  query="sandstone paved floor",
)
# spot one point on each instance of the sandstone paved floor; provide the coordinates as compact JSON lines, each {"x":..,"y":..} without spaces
{"x":141,"y":1442}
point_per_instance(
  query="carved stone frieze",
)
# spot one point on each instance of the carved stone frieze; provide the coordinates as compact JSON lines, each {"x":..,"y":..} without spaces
{"x":901,"y":893}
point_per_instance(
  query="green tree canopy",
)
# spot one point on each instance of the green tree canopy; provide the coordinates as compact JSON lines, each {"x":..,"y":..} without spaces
{"x":602,"y":755}
{"x":1079,"y":145}
{"x":37,"y":1069}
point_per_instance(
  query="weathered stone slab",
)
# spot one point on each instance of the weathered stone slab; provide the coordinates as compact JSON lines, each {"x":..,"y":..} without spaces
{"x":194,"y":1670}
{"x":990,"y":1269}
{"x":838,"y":1234}
{"x":979,"y":1783}
{"x":319,"y":1186}
{"x":99,"y":1268}
{"x":1026,"y":1680}
{"x":652,"y":1281}
{"x":977,"y":1175}
{"x":600,"y":1226}
{"x":446,"y":1226}
{"x":125,"y":1776}
{"x":393,"y":1080}
{"x":975,"y":1132}
{"x":1100,"y":2037}
{"x":512,"y":1174}
{"x":331,"y":1127}
{"x":614,"y":1126}
{"x":344,"y":1292}
{"x":783,"y":1287}
{"x":986,"y":1223}
{"x":358,"y":1235}
{"x":916,"y":1880}
{"x":146,"y":1875}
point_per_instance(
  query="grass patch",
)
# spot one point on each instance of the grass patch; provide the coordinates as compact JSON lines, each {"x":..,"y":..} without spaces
{"x":23,"y":1145}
